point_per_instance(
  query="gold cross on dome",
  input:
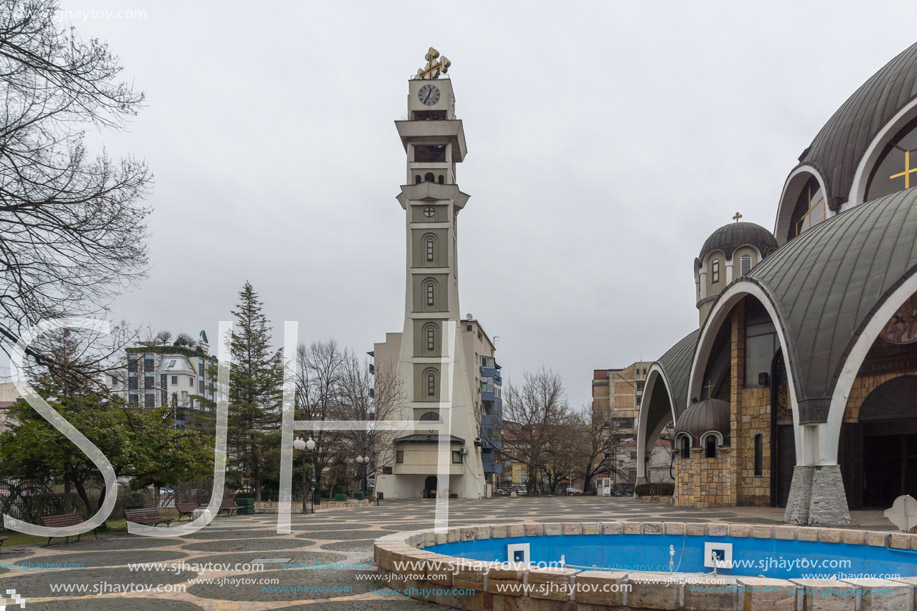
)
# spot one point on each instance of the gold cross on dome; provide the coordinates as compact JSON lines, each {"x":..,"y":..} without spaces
{"x":737,"y":217}
{"x":709,"y":387}
{"x":433,"y":70}
{"x":908,"y":170}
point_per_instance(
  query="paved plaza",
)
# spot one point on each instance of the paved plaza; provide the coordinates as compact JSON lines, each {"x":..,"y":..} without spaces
{"x":333,"y":549}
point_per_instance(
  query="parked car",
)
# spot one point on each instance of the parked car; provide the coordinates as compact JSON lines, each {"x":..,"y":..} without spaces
{"x":573,"y":491}
{"x":519,"y":490}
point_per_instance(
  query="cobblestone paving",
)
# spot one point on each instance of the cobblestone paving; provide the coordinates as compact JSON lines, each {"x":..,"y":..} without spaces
{"x":312,"y":584}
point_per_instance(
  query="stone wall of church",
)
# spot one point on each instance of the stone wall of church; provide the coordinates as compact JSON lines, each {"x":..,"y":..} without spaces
{"x":862,"y":386}
{"x":705,"y":482}
{"x":754,"y":418}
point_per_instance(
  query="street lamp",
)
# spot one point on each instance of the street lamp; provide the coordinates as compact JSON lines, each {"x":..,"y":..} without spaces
{"x":363,"y":460}
{"x":299,"y":444}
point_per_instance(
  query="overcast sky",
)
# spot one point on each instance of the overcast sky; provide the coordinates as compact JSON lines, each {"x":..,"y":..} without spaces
{"x":606,"y":141}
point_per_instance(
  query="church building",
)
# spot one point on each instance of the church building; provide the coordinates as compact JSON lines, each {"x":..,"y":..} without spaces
{"x":799,"y":387}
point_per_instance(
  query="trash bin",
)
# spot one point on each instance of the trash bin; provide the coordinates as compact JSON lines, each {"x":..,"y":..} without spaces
{"x":316,"y":499}
{"x":248,"y":504}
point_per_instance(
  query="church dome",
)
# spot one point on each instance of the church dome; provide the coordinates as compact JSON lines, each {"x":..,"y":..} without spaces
{"x":838,"y":148}
{"x":703,"y":417}
{"x":730,"y":237}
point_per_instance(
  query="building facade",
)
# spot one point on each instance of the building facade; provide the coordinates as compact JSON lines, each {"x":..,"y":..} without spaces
{"x":487,"y":384}
{"x":178,"y":377}
{"x":431,"y":364}
{"x":616,"y":398}
{"x":799,"y":388}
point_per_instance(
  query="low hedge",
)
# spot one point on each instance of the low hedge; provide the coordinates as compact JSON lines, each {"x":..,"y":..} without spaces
{"x":654,"y":489}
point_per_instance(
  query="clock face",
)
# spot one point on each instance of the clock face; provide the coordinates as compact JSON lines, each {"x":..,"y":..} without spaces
{"x":902,"y":328}
{"x":429,"y":95}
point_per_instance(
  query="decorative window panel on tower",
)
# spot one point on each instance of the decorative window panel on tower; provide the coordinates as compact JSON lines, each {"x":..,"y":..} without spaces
{"x":429,"y":213}
{"x":430,"y":293}
{"x":428,"y":248}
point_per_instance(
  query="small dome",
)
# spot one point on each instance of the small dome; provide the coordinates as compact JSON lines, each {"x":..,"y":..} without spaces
{"x":703,"y":416}
{"x":730,"y":237}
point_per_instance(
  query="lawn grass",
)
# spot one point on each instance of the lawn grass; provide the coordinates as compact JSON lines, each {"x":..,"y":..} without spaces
{"x":112,"y":527}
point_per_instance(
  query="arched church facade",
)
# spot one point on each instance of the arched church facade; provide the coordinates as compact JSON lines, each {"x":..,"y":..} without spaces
{"x":805,"y":359}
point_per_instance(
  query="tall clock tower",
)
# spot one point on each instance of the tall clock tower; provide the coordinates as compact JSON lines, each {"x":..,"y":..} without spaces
{"x":435,"y":384}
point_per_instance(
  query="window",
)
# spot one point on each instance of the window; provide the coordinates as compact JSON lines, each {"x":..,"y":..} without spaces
{"x":894,"y":171}
{"x":430,"y":417}
{"x":429,"y":249}
{"x":191,"y":382}
{"x":746,"y":264}
{"x":399,"y":456}
{"x":429,"y":211}
{"x":430,"y":294}
{"x":149,"y":399}
{"x":428,"y":177}
{"x":431,"y":384}
{"x":759,"y":454}
{"x":439,"y":179}
{"x":456,"y":457}
{"x":431,"y":338}
{"x":685,"y":447}
{"x":715,"y":271}
{"x":175,"y":379}
{"x":710,"y":447}
{"x":810,"y":208}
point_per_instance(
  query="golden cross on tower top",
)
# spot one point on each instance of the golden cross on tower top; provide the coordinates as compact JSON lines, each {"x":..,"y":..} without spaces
{"x":737,"y":217}
{"x":434,"y":68}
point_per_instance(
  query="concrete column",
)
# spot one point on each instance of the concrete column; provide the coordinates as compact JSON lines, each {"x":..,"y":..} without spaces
{"x":817,"y":497}
{"x":828,"y":505}
{"x":797,"y":504}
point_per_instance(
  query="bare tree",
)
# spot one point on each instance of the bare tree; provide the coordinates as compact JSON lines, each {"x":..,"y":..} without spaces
{"x":72,"y":228}
{"x":533,"y":412}
{"x":560,"y":455}
{"x":592,"y":447}
{"x":319,"y":368}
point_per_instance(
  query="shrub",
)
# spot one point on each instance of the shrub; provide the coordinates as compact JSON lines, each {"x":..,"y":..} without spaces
{"x":655,"y":489}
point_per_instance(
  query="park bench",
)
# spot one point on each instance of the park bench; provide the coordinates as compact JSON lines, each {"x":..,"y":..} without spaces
{"x":186,"y":509}
{"x":64,"y":519}
{"x":229,"y":505}
{"x":147,"y":515}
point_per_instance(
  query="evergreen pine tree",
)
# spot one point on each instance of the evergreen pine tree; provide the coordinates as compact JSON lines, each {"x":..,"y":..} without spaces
{"x":255,"y":391}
